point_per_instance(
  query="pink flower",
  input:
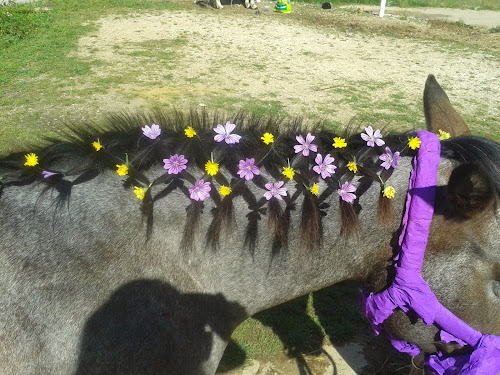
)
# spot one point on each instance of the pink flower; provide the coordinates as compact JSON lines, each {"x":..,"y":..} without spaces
{"x":152,"y":132}
{"x":372,"y":138}
{"x":275,"y":190}
{"x":325,"y":167}
{"x":346,"y":192}
{"x":248,"y":169}
{"x":389,"y":159}
{"x":200,"y":190}
{"x":305,"y":145}
{"x":175,"y":164}
{"x":224,"y":134}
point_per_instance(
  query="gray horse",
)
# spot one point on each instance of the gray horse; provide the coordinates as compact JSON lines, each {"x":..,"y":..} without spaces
{"x":98,"y":280}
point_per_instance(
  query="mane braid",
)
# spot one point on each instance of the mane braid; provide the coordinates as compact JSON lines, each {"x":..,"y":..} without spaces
{"x":278,"y":223}
{"x":75,"y":161}
{"x":311,"y":228}
{"x":193,"y":212}
{"x":223,"y":215}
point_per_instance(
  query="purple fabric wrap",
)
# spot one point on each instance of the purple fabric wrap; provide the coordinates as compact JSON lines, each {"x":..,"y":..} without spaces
{"x":484,"y":360}
{"x":410,"y":291}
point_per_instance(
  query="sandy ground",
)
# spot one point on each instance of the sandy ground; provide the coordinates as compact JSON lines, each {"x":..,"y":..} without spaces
{"x":307,"y":68}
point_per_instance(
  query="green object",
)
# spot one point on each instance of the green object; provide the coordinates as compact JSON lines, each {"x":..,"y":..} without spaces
{"x":283,"y":6}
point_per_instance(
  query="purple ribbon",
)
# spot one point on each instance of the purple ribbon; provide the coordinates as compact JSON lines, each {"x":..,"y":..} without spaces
{"x":410,"y":291}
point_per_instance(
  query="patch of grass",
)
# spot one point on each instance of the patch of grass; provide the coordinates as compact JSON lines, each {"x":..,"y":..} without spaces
{"x":264,"y":107}
{"x":298,"y":327}
{"x":38,"y":67}
{"x":37,"y":53}
{"x":254,"y":106}
{"x":460,"y":23}
{"x":18,"y":21}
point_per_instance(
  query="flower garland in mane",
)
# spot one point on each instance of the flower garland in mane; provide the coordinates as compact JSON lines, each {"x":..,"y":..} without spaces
{"x":232,"y":155}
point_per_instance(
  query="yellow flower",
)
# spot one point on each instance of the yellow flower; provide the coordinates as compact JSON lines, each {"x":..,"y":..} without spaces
{"x":31,"y":160}
{"x":389,"y":192}
{"x":190,"y":132}
{"x":443,"y":135}
{"x":414,"y":143}
{"x":339,"y":142}
{"x":288,"y":172}
{"x":314,"y":189}
{"x":140,"y":192}
{"x":267,"y":138}
{"x":352,"y":166}
{"x":211,"y":168}
{"x":224,"y":190}
{"x":122,"y":169}
{"x":97,"y":145}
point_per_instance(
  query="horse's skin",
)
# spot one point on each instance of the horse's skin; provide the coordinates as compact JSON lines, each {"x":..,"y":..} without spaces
{"x":85,"y":291}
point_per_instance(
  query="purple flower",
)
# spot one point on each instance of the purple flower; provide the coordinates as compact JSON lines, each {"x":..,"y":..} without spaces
{"x":346,"y":192}
{"x":389,"y":159}
{"x":325,"y":167}
{"x":175,"y":164}
{"x":275,"y":190}
{"x":47,"y":174}
{"x":152,"y":132}
{"x":248,"y":169}
{"x":305,"y":145}
{"x":200,"y":190}
{"x":372,"y":138}
{"x":224,"y":134}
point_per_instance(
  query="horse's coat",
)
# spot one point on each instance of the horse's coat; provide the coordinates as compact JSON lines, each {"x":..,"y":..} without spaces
{"x":93,"y":281}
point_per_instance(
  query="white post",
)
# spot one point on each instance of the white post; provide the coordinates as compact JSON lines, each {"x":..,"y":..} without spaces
{"x":382,"y":8}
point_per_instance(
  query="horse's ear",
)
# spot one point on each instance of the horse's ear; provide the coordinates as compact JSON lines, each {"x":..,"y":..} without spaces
{"x":439,"y":114}
{"x":471,"y":190}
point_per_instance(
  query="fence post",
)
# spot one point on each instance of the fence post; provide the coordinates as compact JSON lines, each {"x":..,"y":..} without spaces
{"x":382,"y":8}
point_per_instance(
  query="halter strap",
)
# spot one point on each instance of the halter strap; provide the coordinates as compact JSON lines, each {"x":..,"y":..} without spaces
{"x":409,"y":291}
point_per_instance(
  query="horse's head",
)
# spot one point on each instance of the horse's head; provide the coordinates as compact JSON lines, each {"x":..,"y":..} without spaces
{"x":462,"y":259}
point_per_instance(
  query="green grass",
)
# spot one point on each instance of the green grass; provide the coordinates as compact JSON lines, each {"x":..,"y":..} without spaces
{"x":43,"y":42}
{"x":37,"y":64}
{"x":17,"y":21}
{"x":298,"y":327}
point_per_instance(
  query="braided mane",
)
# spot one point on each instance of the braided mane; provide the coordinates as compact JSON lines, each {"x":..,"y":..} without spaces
{"x":74,"y":160}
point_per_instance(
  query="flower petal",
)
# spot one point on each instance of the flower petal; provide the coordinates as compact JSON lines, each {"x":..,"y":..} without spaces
{"x":309,"y":138}
{"x":230,"y":127}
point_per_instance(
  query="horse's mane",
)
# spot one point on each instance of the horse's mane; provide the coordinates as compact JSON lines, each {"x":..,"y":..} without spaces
{"x":76,"y":161}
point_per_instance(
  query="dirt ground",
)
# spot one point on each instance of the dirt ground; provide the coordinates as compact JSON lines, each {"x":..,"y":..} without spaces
{"x":308,"y":62}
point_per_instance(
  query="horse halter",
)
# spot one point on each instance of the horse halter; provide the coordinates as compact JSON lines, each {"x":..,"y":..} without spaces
{"x":409,"y":291}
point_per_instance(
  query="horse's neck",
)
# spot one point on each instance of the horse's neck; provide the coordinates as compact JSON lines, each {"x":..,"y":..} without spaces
{"x":262,"y":279}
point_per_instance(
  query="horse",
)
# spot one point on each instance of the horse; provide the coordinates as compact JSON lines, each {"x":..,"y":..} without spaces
{"x":139,"y":246}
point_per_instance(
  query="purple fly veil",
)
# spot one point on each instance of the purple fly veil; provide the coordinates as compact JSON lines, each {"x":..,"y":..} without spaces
{"x":410,"y":291}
